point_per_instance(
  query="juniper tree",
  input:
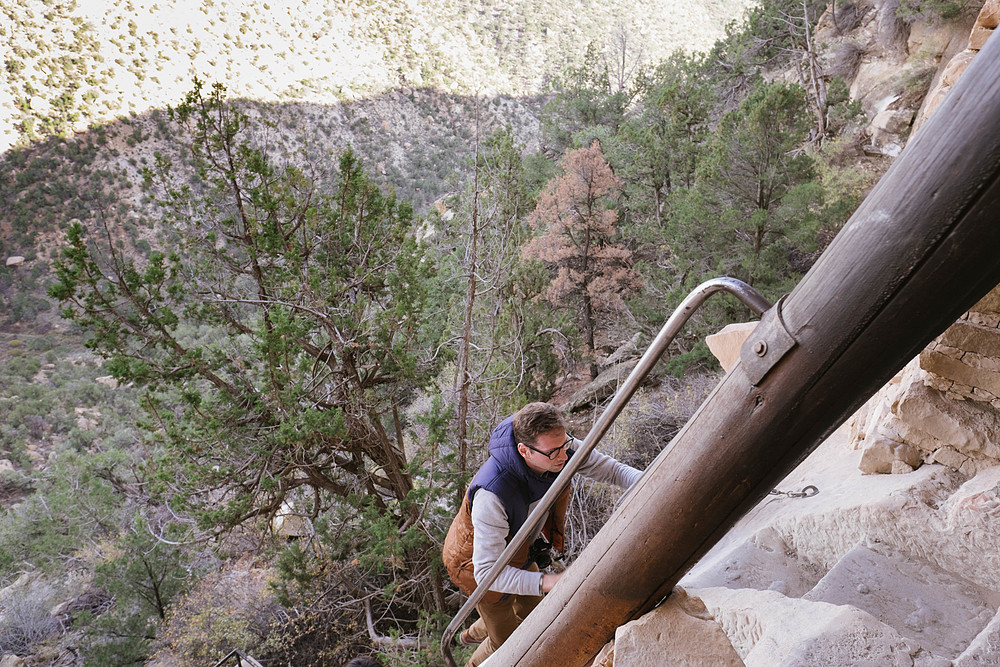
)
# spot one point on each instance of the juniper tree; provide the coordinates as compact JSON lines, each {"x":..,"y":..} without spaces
{"x":503,"y":347}
{"x":658,"y":146}
{"x":756,"y":202}
{"x":284,"y":321}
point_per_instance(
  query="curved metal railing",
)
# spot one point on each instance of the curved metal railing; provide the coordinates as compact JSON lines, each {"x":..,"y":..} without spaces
{"x":239,"y":659}
{"x":749,"y":296}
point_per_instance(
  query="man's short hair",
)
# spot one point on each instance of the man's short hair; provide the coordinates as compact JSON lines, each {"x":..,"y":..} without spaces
{"x":364,"y":661}
{"x":536,"y":419}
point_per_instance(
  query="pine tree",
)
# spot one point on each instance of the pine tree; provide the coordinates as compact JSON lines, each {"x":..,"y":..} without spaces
{"x":590,"y":271}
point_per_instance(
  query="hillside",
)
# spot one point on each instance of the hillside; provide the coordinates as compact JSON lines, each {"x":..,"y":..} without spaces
{"x":80,"y":63}
{"x":87,"y":82}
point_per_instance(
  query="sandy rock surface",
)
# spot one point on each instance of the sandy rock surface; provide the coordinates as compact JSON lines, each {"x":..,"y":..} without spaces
{"x":874,"y":569}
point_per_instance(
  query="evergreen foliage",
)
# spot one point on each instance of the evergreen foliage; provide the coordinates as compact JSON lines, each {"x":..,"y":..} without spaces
{"x":142,"y":579}
{"x":757,"y":188}
{"x":319,"y":296}
{"x":276,"y":343}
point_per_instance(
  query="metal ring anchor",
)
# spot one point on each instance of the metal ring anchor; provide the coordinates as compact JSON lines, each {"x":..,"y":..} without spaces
{"x":806,"y":492}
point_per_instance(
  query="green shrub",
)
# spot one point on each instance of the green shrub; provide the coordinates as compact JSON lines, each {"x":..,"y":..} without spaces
{"x":143,"y":576}
{"x":71,"y":505}
{"x":912,"y":10}
{"x":23,"y":366}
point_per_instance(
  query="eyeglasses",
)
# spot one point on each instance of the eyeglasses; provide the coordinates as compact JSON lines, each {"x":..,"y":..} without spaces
{"x":552,"y":453}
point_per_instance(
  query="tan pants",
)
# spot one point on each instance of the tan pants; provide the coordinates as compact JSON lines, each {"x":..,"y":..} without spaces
{"x":497,"y":621}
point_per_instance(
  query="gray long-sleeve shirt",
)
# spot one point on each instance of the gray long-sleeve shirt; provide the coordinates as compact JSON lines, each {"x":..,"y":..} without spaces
{"x":490,"y":525}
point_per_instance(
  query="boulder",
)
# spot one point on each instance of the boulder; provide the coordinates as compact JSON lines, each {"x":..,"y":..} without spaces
{"x":986,"y":23}
{"x":15,"y":260}
{"x":679,"y":633}
{"x":107,"y":381}
{"x":970,"y":427}
{"x":893,"y":121}
{"x":880,"y":455}
{"x":290,"y":524}
{"x":989,"y":15}
{"x":978,"y":37}
{"x":948,"y":456}
{"x":87,"y":418}
{"x":874,"y":86}
{"x":726,"y":344}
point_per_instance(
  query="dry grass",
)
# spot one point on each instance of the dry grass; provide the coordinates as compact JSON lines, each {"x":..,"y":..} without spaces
{"x":647,"y":425}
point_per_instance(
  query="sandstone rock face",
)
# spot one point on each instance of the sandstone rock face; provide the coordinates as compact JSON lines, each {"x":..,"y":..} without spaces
{"x":944,"y":407}
{"x":889,"y":54}
{"x":765,"y":561}
{"x":873,"y":570}
{"x":769,"y":629}
{"x":967,"y":358}
{"x":984,"y":26}
{"x":895,"y":53}
{"x":696,"y":639}
{"x":985,"y":649}
{"x":937,"y":610}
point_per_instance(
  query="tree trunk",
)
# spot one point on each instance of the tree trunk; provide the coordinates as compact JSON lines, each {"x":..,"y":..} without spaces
{"x":588,"y":306}
{"x":817,"y":84}
{"x":462,"y":378}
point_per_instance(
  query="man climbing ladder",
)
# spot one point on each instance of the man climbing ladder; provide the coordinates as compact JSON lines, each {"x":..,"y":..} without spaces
{"x":527,"y":451}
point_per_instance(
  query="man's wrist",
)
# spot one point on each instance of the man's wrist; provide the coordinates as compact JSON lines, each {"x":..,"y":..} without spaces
{"x":548,"y":581}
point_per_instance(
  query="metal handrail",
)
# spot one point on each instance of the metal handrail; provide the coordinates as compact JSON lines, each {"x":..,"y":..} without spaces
{"x":748,"y":295}
{"x":241,"y":659}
